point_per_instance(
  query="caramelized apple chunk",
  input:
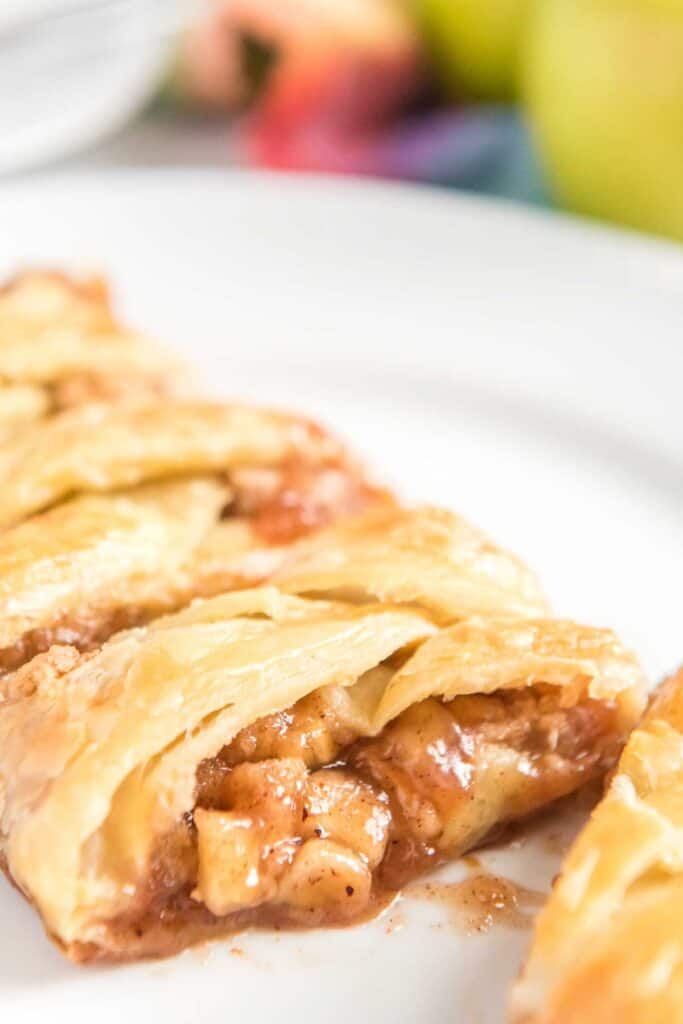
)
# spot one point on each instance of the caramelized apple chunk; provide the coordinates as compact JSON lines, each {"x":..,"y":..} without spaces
{"x":340,"y":806}
{"x":326,"y":875}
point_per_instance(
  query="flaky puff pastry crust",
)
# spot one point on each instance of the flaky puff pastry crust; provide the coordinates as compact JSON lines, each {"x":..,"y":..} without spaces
{"x":69,"y":574}
{"x":99,"y":752}
{"x":124,"y":522}
{"x":428,"y":556}
{"x":482,"y":656}
{"x":608,"y":947}
{"x":101,"y":447}
{"x":19,"y":405}
{"x":98,"y":562}
{"x":59,"y":336}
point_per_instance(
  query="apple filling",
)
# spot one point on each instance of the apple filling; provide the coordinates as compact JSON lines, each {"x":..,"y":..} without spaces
{"x":289,"y":501}
{"x":302,"y":821}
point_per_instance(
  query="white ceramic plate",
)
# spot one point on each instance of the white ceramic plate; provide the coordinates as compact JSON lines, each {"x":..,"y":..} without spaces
{"x":525,"y":370}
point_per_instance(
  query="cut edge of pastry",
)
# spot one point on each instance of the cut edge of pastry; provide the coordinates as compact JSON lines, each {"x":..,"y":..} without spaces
{"x":129,"y":726}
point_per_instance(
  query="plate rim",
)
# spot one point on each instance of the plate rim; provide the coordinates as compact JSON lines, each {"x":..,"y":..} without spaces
{"x":567,"y":223}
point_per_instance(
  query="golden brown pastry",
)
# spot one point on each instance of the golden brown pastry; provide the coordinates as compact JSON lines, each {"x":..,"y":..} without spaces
{"x":103,"y":547}
{"x":427,"y":555}
{"x":59,"y":336}
{"x":97,"y":563}
{"x":102,"y":447}
{"x":607,"y":947}
{"x":19,"y":405}
{"x":260,"y":758}
{"x":101,"y":562}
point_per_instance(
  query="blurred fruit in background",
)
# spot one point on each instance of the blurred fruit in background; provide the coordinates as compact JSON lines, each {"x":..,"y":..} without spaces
{"x":424,"y":89}
{"x":321,"y":75}
{"x":298,"y":41}
{"x":603,"y":85}
{"x":335,"y":85}
{"x":475,"y":44}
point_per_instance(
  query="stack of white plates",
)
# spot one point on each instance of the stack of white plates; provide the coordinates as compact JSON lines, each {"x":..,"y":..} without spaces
{"x":72,"y":71}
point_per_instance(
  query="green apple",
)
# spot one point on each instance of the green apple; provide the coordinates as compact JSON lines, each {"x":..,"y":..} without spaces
{"x":475,"y":43}
{"x":603,"y":85}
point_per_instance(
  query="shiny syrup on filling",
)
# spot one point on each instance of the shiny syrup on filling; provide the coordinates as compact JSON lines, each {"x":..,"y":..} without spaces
{"x":299,"y":822}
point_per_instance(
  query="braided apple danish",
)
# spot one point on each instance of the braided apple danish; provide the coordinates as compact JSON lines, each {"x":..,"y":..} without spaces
{"x":199,"y":753}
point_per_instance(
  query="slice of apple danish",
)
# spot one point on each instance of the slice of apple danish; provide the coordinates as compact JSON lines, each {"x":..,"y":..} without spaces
{"x":261,"y":758}
{"x":607,"y":946}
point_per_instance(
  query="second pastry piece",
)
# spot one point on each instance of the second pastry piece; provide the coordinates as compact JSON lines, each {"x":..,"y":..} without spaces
{"x":607,"y":948}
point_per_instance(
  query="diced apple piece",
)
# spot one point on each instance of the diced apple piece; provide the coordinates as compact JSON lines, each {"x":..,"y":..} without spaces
{"x":339,"y":806}
{"x":326,"y":879}
{"x":229,"y":851}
